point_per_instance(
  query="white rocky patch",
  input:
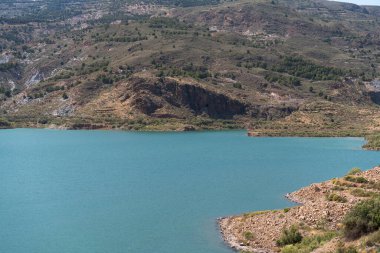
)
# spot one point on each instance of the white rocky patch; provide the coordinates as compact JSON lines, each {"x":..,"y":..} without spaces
{"x":64,"y":110}
{"x":376,"y":84}
{"x":5,"y":58}
{"x":373,"y":86}
{"x":248,"y":33}
{"x":116,"y":22}
{"x":36,"y":78}
{"x":12,"y":85}
{"x":213,"y":29}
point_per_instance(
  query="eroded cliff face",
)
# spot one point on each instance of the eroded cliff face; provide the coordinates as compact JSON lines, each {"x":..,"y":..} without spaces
{"x":271,"y":112}
{"x":157,"y":97}
{"x":149,"y":96}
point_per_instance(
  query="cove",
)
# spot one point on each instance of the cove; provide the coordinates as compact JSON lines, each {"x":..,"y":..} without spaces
{"x":114,"y":192}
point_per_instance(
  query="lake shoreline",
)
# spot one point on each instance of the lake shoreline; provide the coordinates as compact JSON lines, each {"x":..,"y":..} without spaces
{"x":372,"y":140}
{"x":311,"y":210}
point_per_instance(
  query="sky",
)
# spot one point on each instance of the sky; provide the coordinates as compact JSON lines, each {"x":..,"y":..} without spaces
{"x":361,"y":2}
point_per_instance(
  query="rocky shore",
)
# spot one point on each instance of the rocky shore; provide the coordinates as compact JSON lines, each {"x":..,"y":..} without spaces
{"x":322,"y":207}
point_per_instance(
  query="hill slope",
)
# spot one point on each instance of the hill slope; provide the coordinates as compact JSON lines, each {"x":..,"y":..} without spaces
{"x":279,"y":67}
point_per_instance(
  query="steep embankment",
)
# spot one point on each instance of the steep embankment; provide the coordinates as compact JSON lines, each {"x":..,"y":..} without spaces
{"x":320,"y":213}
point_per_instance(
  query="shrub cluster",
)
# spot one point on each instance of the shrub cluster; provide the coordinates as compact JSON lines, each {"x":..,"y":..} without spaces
{"x":337,"y":198}
{"x":354,"y":179}
{"x":289,"y":236}
{"x":308,"y":244}
{"x":354,"y":171}
{"x":283,"y":80}
{"x":297,"y":66}
{"x":362,"y":219}
{"x":342,"y":183}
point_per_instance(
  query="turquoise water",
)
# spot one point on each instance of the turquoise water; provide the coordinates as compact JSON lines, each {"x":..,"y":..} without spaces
{"x":113,"y":192}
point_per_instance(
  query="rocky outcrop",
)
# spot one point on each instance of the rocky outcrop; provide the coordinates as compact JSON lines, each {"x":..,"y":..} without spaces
{"x":148,"y":96}
{"x":271,"y":112}
{"x":86,"y":126}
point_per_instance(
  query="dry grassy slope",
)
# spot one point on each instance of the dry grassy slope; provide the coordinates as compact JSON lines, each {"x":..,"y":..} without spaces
{"x":223,"y":43}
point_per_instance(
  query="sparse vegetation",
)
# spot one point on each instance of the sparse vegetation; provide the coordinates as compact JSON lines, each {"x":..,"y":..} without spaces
{"x":350,"y":249}
{"x":373,"y":239}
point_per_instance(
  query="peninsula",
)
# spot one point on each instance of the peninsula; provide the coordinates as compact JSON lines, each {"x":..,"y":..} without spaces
{"x":331,"y":217}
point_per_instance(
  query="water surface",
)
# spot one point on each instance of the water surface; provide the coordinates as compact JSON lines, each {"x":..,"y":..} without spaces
{"x":118,"y":192}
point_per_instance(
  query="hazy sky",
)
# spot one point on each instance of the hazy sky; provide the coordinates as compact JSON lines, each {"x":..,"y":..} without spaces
{"x":362,"y":2}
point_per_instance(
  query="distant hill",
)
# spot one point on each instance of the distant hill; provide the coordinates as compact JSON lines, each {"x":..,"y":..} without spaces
{"x":286,"y":67}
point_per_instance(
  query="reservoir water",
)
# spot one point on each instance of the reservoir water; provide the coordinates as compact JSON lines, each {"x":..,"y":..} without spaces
{"x":124,"y":192}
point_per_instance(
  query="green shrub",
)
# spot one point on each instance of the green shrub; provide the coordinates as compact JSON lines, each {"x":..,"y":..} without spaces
{"x":354,"y":171}
{"x":337,"y":198}
{"x":362,"y":219}
{"x":237,"y":86}
{"x":360,"y":180}
{"x":289,"y":236}
{"x":338,"y":188}
{"x":286,"y":210}
{"x":248,"y":235}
